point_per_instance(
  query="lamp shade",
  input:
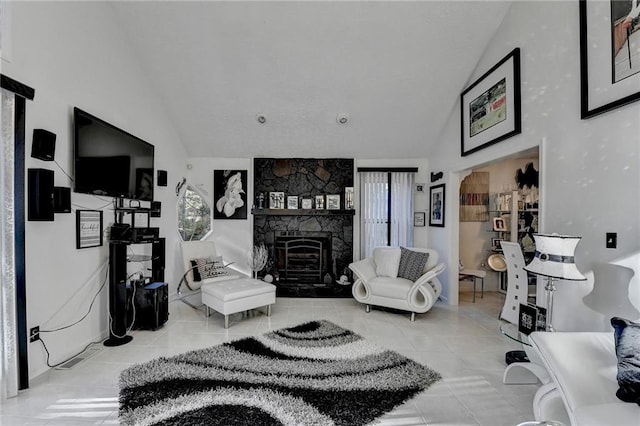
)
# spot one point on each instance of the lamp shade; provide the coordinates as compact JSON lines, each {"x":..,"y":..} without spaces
{"x":555,"y":257}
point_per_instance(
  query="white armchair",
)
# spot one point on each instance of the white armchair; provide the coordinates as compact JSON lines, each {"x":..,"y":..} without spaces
{"x":222,"y":290}
{"x":385,"y":279}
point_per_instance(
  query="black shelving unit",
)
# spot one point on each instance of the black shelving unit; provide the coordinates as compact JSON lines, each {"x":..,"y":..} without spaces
{"x":120,"y":287}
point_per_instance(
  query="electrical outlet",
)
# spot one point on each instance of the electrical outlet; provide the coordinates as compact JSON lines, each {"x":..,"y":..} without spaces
{"x":34,"y":334}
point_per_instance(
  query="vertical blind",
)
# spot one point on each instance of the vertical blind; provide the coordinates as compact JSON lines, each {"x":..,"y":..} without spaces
{"x":386,"y":205}
{"x":402,"y":209}
{"x":374,"y":190}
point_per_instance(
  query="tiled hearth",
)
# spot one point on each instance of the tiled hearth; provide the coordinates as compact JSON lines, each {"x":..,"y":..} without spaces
{"x":309,"y":248}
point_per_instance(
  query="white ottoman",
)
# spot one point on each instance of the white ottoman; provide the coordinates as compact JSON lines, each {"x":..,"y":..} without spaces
{"x":238,"y":295}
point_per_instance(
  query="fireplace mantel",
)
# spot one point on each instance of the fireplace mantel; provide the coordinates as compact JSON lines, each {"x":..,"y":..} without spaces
{"x":302,"y":212}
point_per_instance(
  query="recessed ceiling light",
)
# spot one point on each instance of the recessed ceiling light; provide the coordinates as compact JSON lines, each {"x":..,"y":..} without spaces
{"x":261,"y":119}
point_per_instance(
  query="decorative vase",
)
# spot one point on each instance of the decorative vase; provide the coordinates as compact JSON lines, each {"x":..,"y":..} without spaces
{"x":257,"y":259}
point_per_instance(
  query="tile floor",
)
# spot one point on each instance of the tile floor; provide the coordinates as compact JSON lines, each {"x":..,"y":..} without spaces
{"x":463,"y":343}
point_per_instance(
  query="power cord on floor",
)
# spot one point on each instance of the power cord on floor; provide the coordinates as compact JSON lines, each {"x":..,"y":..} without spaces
{"x":68,"y":359}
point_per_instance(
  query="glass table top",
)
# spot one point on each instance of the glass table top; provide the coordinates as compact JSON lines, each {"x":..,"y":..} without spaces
{"x":511,"y":331}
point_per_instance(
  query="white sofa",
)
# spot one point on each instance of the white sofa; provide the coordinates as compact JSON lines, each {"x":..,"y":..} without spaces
{"x":378,"y":284}
{"x":582,"y":391}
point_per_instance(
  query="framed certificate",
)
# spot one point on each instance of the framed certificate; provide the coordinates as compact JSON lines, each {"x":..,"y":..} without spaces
{"x":88,"y":228}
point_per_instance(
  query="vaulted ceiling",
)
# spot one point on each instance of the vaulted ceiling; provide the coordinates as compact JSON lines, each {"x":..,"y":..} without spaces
{"x":395,"y":68}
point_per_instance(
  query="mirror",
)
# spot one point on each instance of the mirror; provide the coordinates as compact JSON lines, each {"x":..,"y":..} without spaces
{"x":194,"y":215}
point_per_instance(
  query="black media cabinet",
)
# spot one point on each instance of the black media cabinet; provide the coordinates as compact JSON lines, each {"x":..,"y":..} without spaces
{"x":121,"y":290}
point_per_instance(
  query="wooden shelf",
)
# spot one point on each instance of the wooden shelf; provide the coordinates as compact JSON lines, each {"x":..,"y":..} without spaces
{"x":302,"y":212}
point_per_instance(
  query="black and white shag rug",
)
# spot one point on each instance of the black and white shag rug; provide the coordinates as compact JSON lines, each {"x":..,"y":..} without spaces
{"x":316,"y":373}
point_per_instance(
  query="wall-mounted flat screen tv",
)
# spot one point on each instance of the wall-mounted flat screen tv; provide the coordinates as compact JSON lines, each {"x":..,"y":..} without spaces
{"x":109,"y":161}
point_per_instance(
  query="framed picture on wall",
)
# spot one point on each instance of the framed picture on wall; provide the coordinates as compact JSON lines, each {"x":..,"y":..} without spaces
{"x":229,"y":194}
{"x":419,"y":218}
{"x":609,"y":65}
{"x":320,"y":202}
{"x":496,"y":244}
{"x":88,"y":228}
{"x":436,"y":204}
{"x":490,"y":107}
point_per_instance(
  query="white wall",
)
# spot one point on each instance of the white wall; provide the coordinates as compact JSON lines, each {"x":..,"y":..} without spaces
{"x":73,"y":55}
{"x":233,"y":237}
{"x":590,"y":168}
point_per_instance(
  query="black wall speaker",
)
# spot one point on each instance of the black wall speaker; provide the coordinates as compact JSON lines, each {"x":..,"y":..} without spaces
{"x":155,"y":209}
{"x":162,"y":178}
{"x":43,"y":146}
{"x":61,"y":199}
{"x":40,"y":198}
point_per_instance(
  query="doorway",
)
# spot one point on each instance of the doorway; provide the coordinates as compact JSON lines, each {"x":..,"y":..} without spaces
{"x":499,"y":201}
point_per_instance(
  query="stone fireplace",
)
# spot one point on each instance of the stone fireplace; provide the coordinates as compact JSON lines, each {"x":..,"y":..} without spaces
{"x":301,"y":256}
{"x":309,"y":249}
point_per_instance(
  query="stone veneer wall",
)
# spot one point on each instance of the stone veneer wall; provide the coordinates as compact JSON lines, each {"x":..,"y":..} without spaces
{"x":303,"y":177}
{"x":307,"y":178}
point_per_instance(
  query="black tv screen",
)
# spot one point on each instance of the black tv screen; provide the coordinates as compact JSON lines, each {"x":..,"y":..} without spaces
{"x":109,"y":161}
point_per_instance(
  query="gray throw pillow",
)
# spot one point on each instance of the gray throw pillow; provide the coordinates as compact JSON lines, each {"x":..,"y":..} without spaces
{"x":627,"y":340}
{"x":195,"y":267}
{"x":411,"y":263}
{"x":211,"y":269}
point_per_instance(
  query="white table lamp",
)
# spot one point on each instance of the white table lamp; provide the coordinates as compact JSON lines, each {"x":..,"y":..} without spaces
{"x":554,"y":260}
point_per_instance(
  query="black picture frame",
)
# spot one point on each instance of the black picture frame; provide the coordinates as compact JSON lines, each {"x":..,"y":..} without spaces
{"x":598,"y":34}
{"x":485,"y":120}
{"x":496,"y":244}
{"x":436,"y":205}
{"x":499,"y":224}
{"x":229,"y":194}
{"x":527,"y":319}
{"x":88,"y":228}
{"x":419,"y":219}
